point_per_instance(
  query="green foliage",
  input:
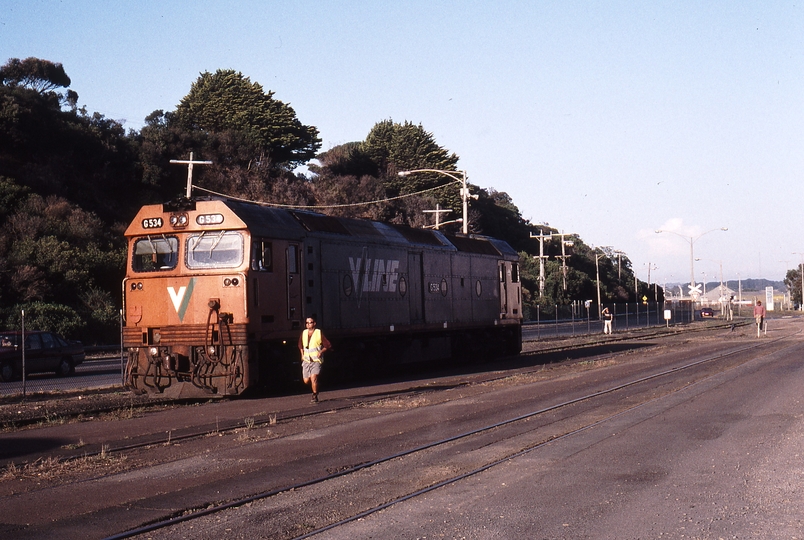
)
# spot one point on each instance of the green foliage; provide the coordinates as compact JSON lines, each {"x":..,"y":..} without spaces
{"x":398,"y":147}
{"x":34,"y":73}
{"x":494,"y":213}
{"x":53,"y":252}
{"x":46,"y":316}
{"x":404,"y":147}
{"x":86,"y":159}
{"x":226,"y":101}
{"x":792,"y":281}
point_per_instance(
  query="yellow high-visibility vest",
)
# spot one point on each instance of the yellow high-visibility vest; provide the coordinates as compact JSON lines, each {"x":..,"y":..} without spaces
{"x":312,"y":346}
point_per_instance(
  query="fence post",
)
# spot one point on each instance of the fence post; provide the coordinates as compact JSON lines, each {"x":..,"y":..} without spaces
{"x":122,"y":361}
{"x":627,"y":326}
{"x":538,"y":322}
{"x":22,"y":344}
{"x":572,"y":316}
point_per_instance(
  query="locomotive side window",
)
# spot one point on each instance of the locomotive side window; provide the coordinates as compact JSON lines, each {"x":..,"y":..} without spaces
{"x":262,"y":258}
{"x":514,"y":273}
{"x":155,"y":253}
{"x":293,"y":259}
{"x":216,"y":249}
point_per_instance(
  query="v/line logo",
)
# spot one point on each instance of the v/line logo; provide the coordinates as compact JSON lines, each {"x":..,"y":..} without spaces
{"x":181,"y":298}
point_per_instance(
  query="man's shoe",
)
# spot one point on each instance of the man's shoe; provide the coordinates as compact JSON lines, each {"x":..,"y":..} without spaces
{"x":315,"y":398}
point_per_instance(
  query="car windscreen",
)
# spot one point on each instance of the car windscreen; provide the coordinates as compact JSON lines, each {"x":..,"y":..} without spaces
{"x":216,"y":249}
{"x":9,"y":340}
{"x":155,"y":253}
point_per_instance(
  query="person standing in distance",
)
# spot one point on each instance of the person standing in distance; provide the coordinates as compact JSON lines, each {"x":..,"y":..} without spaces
{"x":607,"y":317}
{"x":759,"y":315}
{"x":312,"y":345}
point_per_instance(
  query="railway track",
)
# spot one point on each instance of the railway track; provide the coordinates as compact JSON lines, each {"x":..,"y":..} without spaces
{"x":72,"y":450}
{"x":494,"y":443}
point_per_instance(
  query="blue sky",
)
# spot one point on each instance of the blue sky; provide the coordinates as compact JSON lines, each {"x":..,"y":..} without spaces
{"x":606,"y":119}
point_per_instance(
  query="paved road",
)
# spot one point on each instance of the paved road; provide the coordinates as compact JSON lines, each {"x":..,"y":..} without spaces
{"x":92,"y":373}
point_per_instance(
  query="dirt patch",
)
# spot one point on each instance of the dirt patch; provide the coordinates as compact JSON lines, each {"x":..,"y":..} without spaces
{"x":59,"y":409}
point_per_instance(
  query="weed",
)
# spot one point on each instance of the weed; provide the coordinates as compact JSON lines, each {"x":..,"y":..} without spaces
{"x":74,"y":446}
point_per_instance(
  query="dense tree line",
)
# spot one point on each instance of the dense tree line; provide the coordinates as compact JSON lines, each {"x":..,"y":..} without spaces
{"x":71,"y":180}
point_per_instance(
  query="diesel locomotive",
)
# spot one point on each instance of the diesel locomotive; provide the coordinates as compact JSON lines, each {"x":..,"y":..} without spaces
{"x":216,"y":293}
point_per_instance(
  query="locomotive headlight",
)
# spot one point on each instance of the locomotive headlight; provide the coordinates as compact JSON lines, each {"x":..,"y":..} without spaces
{"x":235,"y":281}
{"x":154,"y":351}
{"x":139,"y":286}
{"x":179,"y":220}
{"x":227,"y":282}
{"x":211,"y":350}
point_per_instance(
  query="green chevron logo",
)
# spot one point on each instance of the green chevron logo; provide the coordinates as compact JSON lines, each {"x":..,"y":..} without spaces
{"x":181,"y":298}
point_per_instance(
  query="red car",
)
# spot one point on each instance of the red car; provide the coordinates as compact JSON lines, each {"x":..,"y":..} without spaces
{"x":44,"y":351}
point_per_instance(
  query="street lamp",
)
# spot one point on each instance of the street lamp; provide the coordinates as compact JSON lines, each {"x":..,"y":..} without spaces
{"x":597,"y":277}
{"x":464,"y":190}
{"x":722,"y":289}
{"x":656,"y":291}
{"x":691,"y":240}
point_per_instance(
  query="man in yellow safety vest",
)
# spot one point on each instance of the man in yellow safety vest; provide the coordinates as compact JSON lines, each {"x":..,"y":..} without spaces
{"x":312,"y":345}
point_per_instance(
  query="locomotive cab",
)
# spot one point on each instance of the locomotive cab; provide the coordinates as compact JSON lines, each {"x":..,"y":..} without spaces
{"x":184,"y":300}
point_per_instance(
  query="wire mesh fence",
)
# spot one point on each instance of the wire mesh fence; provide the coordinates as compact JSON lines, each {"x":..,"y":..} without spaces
{"x":582,"y":318}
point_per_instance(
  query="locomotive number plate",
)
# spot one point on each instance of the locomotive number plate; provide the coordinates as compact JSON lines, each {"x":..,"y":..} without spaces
{"x":209,"y":219}
{"x":152,"y":223}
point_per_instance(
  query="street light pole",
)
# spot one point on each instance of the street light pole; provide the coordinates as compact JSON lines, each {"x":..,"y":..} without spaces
{"x":464,"y":190}
{"x":691,"y":240}
{"x":597,"y":279}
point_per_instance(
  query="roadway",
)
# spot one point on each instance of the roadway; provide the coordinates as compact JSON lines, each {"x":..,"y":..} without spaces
{"x":92,"y":373}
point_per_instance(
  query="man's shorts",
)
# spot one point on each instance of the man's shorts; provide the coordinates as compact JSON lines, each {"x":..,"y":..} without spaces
{"x":310,"y":368}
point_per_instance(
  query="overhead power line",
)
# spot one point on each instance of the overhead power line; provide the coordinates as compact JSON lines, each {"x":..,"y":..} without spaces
{"x":323,"y":206}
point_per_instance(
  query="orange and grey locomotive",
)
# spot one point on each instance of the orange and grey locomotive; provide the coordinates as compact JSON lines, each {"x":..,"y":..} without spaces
{"x":216,"y":293}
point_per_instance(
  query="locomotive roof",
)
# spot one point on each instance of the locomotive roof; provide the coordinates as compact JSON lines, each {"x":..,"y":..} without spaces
{"x":268,"y":221}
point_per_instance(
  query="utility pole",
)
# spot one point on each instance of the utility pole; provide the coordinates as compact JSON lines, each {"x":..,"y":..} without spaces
{"x":190,"y":164}
{"x":563,"y":256}
{"x":541,"y":236}
{"x":619,"y":264}
{"x":438,"y":211}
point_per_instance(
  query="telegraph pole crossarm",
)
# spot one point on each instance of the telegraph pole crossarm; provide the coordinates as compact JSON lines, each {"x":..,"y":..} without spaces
{"x":190,"y":162}
{"x":438,"y":211}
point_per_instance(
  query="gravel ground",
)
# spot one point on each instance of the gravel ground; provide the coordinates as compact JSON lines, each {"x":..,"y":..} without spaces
{"x":42,"y":408}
